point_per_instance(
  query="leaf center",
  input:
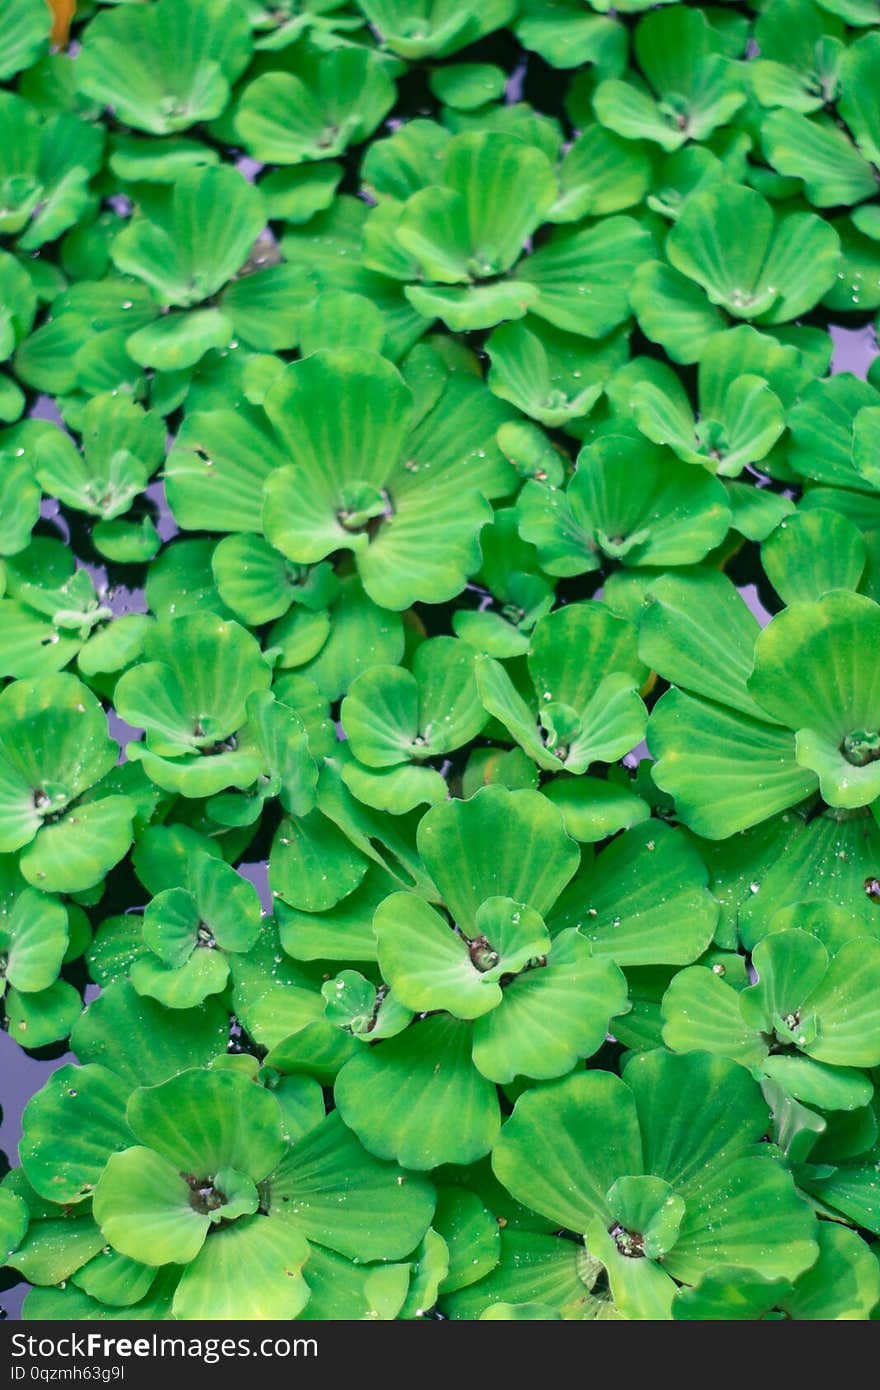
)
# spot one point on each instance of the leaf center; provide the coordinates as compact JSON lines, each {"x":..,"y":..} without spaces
{"x":861,"y":747}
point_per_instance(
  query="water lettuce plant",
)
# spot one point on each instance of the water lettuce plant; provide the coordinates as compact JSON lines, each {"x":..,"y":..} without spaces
{"x":439,"y":710}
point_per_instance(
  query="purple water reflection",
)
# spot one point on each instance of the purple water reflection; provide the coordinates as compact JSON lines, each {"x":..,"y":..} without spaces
{"x":854,"y":349}
{"x":50,"y":510}
{"x":165,"y":524}
{"x":258,"y":874}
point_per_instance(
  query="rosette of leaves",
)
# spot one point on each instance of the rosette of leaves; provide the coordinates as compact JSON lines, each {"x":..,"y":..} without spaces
{"x":643,"y":1166}
{"x":79,"y":351}
{"x":259,"y":585}
{"x":673,"y":515}
{"x":836,"y":168}
{"x":55,"y":752}
{"x":722,"y":752}
{"x":801,"y":46}
{"x":689,"y":84}
{"x":811,"y":1024}
{"x":584,"y":706}
{"x":745,"y":381}
{"x":461,"y":238}
{"x":417,"y":29}
{"x":188,"y":241}
{"x":515,"y":596}
{"x":399,"y":722}
{"x":504,"y":999}
{"x":190,"y":930}
{"x":35,"y":942}
{"x":316,"y":106}
{"x":122,"y":446}
{"x":190,"y":694}
{"x":50,"y":609}
{"x":552,"y":376}
{"x":463,"y":234}
{"x":504,"y":1255}
{"x":164,"y":67}
{"x":785,"y":267}
{"x":396,"y":469}
{"x":216,"y":1170}
{"x":45,"y":169}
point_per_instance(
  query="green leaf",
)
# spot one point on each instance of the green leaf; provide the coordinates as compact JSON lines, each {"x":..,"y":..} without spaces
{"x":674,"y":516}
{"x":391,"y":716}
{"x":552,"y":376}
{"x":565,"y":1145}
{"x":335,"y":1193}
{"x":859,"y":106}
{"x":341,"y":1290}
{"x":142,"y":1042}
{"x":600,"y":174}
{"x":34,"y":1020}
{"x":726,"y":770}
{"x":33,"y":941}
{"x":701,"y":1013}
{"x":54,"y":745}
{"x":696,"y":631}
{"x":181,"y":340}
{"x":822,"y":155}
{"x":123,"y":445}
{"x":582,"y":274}
{"x":251,"y":1268}
{"x":205,"y":1121}
{"x":196,"y":237}
{"x":568,"y":36}
{"x":316,"y":108}
{"x":821,"y":425}
{"x":162,"y":70}
{"x":14,"y":1217}
{"x":369,"y":422}
{"x":76,"y":852}
{"x":503,"y":843}
{"x":552,"y":1015}
{"x":781,"y":271}
{"x":844,"y":1283}
{"x":142,"y":1205}
{"x":191,"y":691}
{"x":673,"y":311}
{"x":828,"y":692}
{"x":495,"y":191}
{"x":417,"y":1098}
{"x":638,"y":917}
{"x":594,"y":809}
{"x":466,"y":86}
{"x":436,"y":28}
{"x":472,"y":1236}
{"x":695,"y":87}
{"x":811,"y":553}
{"x":71,"y":1127}
{"x":26,"y":36}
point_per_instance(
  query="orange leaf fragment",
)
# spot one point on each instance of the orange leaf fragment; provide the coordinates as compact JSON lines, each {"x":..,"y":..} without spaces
{"x":62,"y":14}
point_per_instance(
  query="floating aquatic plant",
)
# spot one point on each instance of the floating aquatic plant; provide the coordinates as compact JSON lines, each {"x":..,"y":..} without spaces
{"x":440,"y":722}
